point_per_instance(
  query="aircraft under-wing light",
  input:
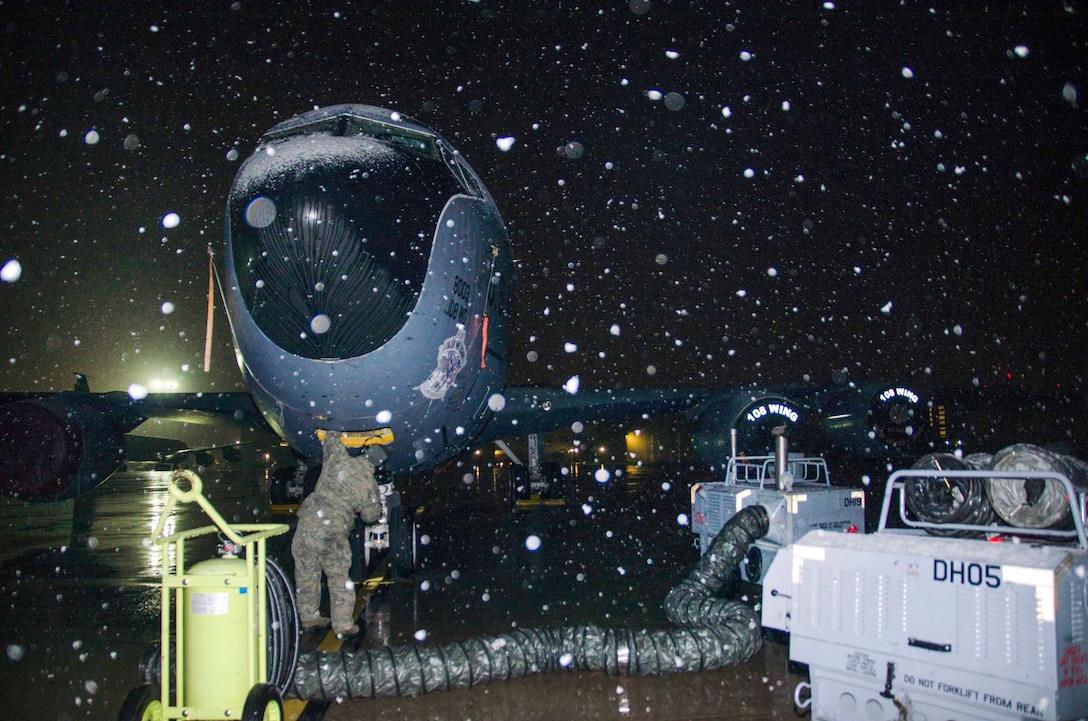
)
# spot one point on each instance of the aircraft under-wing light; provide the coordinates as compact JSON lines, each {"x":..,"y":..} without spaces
{"x":370,"y":285}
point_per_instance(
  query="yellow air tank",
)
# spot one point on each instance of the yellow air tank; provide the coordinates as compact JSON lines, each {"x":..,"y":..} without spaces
{"x":218,"y":640}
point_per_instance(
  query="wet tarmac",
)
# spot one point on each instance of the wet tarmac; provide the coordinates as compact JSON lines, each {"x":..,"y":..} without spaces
{"x":79,"y":586}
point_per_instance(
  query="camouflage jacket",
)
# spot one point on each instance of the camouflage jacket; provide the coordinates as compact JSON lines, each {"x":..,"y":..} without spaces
{"x":341,"y":491}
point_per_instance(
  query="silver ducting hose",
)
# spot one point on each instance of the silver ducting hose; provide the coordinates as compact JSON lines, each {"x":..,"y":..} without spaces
{"x":714,"y":633}
{"x":1034,"y":503}
{"x":950,"y":499}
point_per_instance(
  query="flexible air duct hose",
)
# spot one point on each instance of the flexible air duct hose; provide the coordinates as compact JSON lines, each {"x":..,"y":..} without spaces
{"x":1031,"y":503}
{"x":949,"y":499}
{"x":715,"y":633}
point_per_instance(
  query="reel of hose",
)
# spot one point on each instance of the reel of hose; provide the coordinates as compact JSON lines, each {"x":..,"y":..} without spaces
{"x":283,"y":635}
{"x":1034,"y":503}
{"x":950,"y":499}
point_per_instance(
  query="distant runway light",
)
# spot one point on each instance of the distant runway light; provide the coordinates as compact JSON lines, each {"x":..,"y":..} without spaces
{"x":137,"y":392}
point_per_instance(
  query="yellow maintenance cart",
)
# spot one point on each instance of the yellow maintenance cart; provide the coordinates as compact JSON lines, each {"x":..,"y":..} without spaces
{"x":213,"y":657}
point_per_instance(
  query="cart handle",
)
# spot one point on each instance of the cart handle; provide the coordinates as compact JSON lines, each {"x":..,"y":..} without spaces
{"x":194,"y":493}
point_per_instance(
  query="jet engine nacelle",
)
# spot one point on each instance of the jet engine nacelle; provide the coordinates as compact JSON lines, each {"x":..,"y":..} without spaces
{"x":57,"y":447}
{"x":877,"y":420}
{"x":753,"y":414}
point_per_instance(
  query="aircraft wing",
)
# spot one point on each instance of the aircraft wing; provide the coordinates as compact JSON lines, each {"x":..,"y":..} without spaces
{"x":58,"y":445}
{"x":202,"y":408}
{"x":538,"y":410}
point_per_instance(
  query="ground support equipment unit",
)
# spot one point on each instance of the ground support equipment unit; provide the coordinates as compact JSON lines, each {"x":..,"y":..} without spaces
{"x":805,"y":501}
{"x":214,"y":631}
{"x":902,"y":624}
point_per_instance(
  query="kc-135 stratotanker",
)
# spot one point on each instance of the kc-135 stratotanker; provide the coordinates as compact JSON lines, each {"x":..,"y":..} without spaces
{"x":370,"y":285}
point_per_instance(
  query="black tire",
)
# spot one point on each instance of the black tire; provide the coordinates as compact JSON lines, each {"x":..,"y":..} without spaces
{"x":401,"y":542}
{"x":277,"y":490}
{"x":263,"y":703}
{"x":520,"y":487}
{"x":141,"y":704}
{"x":360,"y":554}
{"x":553,"y":476}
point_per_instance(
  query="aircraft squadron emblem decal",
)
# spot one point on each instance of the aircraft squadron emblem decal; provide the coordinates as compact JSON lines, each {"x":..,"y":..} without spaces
{"x":451,"y":359}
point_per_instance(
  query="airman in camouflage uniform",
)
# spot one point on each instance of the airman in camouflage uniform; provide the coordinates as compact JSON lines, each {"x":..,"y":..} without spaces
{"x":346,"y":487}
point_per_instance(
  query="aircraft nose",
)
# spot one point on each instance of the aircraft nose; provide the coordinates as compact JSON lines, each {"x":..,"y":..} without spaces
{"x":330,"y":238}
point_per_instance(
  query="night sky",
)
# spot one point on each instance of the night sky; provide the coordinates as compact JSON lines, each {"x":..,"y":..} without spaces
{"x":698,"y":194}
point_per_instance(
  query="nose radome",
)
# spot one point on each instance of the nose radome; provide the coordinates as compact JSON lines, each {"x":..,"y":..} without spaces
{"x":331,"y":237}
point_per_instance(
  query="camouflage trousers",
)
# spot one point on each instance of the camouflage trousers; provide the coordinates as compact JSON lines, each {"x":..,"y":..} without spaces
{"x":318,"y":548}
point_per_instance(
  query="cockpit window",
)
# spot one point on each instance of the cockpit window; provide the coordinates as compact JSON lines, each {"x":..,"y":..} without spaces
{"x":347,"y":124}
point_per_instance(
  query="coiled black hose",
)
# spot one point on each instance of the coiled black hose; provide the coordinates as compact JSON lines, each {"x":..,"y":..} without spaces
{"x":714,"y":633}
{"x":1034,"y":503}
{"x":283,"y":627}
{"x":949,"y":499}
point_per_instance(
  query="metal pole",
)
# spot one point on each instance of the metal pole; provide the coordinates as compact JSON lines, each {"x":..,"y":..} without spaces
{"x":781,"y":456}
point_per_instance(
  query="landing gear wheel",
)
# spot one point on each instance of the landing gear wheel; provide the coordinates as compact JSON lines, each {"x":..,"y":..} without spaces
{"x":263,"y":704}
{"x":141,"y":704}
{"x":277,"y":490}
{"x":402,"y":542}
{"x":520,"y":486}
{"x":553,"y":476}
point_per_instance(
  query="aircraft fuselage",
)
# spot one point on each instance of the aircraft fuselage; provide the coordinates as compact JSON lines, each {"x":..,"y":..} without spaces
{"x":369,"y":284}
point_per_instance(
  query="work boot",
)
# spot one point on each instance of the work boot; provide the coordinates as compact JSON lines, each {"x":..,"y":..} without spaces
{"x":318,"y":622}
{"x":351,"y":631}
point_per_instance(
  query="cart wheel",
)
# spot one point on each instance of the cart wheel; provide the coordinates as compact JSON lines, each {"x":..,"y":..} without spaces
{"x":263,"y":704}
{"x":142,"y":704}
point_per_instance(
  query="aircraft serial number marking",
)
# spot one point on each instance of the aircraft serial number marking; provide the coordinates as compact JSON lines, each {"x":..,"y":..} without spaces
{"x":457,"y":306}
